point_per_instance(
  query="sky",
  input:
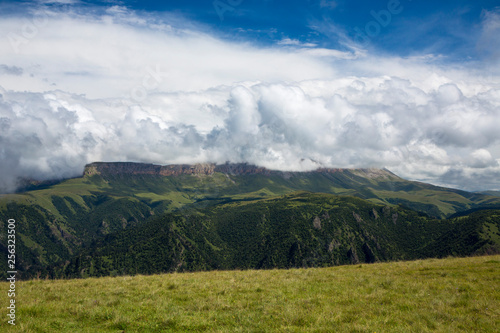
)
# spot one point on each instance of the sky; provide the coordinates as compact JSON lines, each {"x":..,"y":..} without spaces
{"x":410,"y":85}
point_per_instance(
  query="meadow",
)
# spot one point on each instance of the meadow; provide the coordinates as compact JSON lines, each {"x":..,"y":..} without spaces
{"x":434,"y":295}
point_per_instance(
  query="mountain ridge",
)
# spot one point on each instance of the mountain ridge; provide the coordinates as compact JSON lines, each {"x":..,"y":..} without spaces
{"x":296,"y":230}
{"x":137,"y":168}
{"x":58,"y":221}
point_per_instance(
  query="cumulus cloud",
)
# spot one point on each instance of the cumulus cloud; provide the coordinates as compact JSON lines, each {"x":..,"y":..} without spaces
{"x":359,"y":122}
{"x":148,"y":91}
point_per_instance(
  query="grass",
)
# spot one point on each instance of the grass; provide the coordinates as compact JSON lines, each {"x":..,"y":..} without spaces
{"x":425,"y":196}
{"x":448,"y":295}
{"x":74,"y":188}
{"x":186,"y":189}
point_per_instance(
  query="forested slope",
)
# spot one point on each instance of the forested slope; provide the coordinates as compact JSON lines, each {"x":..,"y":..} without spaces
{"x":297,"y":230}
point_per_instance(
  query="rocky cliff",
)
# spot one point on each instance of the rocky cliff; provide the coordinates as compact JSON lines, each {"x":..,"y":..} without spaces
{"x":130,"y":168}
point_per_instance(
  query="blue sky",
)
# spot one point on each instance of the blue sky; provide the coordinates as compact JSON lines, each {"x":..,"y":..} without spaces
{"x":448,"y":28}
{"x":412,"y":86}
{"x":414,"y":27}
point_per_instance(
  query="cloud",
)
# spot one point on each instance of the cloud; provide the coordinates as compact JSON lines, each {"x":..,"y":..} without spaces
{"x":489,"y":41}
{"x":329,"y":53}
{"x":295,"y":42}
{"x":117,"y":49}
{"x":348,"y":122}
{"x":10,"y":70}
{"x":58,"y":2}
{"x":146,"y":89}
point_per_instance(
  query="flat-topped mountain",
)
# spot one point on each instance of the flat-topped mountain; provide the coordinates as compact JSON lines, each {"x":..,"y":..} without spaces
{"x":254,"y":182}
{"x":129,"y":168}
{"x":236,"y":169}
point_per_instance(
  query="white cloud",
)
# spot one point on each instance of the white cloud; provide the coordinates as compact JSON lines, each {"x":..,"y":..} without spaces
{"x":113,"y":53}
{"x":64,"y":2}
{"x":381,"y":122}
{"x":322,"y":52}
{"x":295,"y":42}
{"x":489,"y":41}
{"x":131,"y":88}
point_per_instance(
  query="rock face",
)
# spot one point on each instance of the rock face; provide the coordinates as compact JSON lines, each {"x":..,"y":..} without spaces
{"x":130,"y":168}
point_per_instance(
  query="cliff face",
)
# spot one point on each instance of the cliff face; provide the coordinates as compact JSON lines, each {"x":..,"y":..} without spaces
{"x":129,"y":168}
{"x":243,"y":169}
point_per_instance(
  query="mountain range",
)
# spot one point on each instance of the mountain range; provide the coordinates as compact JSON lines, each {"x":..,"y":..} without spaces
{"x":129,"y":218}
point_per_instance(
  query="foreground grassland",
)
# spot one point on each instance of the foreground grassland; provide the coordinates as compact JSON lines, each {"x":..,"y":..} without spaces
{"x":449,"y":295}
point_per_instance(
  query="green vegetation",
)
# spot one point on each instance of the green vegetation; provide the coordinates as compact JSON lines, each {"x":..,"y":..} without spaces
{"x":493,"y":193}
{"x":447,"y":295}
{"x":296,"y":230}
{"x":238,"y":216}
{"x":112,"y":228}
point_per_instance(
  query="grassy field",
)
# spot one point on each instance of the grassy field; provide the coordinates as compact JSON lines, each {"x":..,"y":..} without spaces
{"x":449,"y":295}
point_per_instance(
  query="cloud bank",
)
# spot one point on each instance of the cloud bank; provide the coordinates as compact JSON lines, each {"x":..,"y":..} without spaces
{"x":117,"y":86}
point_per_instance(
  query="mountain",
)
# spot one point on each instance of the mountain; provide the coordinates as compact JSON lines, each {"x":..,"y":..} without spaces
{"x":493,"y":193}
{"x":57,"y":221}
{"x":210,"y":181}
{"x":301,"y":229}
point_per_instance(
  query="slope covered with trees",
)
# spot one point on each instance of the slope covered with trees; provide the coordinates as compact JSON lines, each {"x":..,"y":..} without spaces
{"x":297,"y":230}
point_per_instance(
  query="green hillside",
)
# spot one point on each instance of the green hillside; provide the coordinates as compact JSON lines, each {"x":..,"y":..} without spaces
{"x":57,"y":221}
{"x":447,"y":295}
{"x":296,"y":230}
{"x":493,"y":193}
